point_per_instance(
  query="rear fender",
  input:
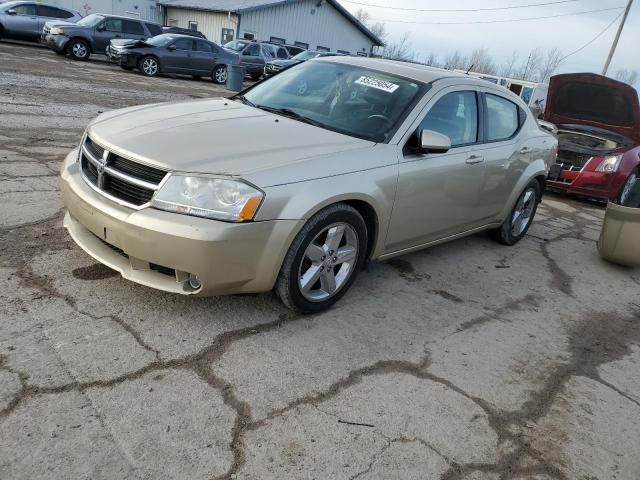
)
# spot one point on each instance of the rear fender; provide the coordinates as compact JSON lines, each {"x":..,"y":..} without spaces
{"x":537,"y":168}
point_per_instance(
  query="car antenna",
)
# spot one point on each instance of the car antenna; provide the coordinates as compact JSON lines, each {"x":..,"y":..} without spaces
{"x":469,"y":69}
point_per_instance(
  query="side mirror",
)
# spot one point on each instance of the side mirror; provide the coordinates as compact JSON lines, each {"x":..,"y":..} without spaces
{"x":100,"y":28}
{"x":434,"y":142}
{"x":171,"y":47}
{"x":11,"y":11}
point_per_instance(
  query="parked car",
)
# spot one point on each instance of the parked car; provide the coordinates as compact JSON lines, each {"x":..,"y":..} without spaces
{"x":184,"y":31}
{"x":598,"y":125}
{"x":24,"y":20}
{"x":271,"y":189}
{"x":255,"y":55}
{"x":275,"y":66}
{"x":293,"y":50}
{"x":175,"y":54}
{"x":92,"y":34}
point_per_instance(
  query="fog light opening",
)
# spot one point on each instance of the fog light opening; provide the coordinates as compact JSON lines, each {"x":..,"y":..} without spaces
{"x":194,"y":281}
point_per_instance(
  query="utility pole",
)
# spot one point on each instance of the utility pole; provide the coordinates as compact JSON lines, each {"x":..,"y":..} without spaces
{"x":615,"y":40}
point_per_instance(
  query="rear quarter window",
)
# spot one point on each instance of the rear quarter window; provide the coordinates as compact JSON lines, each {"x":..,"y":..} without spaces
{"x":503,"y":118}
{"x":154,"y":29}
{"x":133,"y":28}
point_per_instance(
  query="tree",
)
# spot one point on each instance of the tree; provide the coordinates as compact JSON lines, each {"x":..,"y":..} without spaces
{"x":509,"y":66}
{"x":401,"y":49}
{"x":551,"y":62}
{"x":455,"y":61}
{"x":431,"y":60}
{"x":363,"y":16}
{"x":529,"y":70}
{"x":481,"y":62}
{"x":627,"y":76}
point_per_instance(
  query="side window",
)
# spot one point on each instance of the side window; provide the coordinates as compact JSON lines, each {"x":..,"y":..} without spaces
{"x":502,"y":118}
{"x":154,"y":29}
{"x":52,"y":12}
{"x":113,"y":25}
{"x":183,"y":44}
{"x":25,"y":10}
{"x":203,"y":47}
{"x":132,"y":27}
{"x":282,"y":53}
{"x":253,"y":50}
{"x":268,"y":51}
{"x":456,"y":116}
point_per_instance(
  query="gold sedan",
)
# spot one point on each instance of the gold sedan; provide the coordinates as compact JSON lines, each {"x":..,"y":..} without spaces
{"x":299,"y":180}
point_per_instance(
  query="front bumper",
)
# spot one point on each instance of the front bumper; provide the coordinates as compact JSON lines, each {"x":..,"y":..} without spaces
{"x":159,"y":249}
{"x":601,"y":185}
{"x":55,"y":42}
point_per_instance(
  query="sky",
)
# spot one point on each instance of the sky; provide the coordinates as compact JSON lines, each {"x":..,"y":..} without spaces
{"x":568,"y":33}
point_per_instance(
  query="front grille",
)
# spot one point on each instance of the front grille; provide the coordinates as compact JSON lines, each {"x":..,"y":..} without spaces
{"x":129,"y":182}
{"x":572,"y":161}
{"x":119,"y":251}
{"x":162,"y":269}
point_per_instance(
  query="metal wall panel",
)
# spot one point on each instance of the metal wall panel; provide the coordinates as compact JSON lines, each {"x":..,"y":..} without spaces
{"x":209,"y":23}
{"x":306,"y":22}
{"x":143,"y":9}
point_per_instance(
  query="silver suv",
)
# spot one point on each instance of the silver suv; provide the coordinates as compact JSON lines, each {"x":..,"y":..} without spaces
{"x":24,"y":20}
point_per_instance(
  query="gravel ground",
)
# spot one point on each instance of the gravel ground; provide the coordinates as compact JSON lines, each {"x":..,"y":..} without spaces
{"x":466,"y":361}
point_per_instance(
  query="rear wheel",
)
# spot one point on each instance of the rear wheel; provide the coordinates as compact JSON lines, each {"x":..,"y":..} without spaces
{"x":517,"y":224}
{"x":323,"y":260}
{"x":79,"y":49}
{"x":149,"y":66}
{"x":628,"y":188}
{"x":219,"y":74}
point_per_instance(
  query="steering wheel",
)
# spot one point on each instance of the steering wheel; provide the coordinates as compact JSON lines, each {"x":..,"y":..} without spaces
{"x":378,"y":116}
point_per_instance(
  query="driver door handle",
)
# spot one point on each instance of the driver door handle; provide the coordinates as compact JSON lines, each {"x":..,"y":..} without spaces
{"x":473,"y":159}
{"x":524,"y":150}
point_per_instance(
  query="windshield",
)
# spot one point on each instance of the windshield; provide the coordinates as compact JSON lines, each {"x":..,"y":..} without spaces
{"x":90,"y":21}
{"x":344,"y":98}
{"x":305,"y":56}
{"x":236,"y":45}
{"x":159,"y":40}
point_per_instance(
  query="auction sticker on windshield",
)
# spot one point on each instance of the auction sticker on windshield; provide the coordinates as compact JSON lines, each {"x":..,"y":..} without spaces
{"x":379,"y":84}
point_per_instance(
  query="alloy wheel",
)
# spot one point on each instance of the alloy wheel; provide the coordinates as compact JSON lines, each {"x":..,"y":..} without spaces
{"x":221,"y":75}
{"x":523,"y":213}
{"x":79,"y":50}
{"x":328,"y":262}
{"x":150,"y":66}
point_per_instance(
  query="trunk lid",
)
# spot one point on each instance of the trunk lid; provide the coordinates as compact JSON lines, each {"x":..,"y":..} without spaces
{"x":595,"y":101}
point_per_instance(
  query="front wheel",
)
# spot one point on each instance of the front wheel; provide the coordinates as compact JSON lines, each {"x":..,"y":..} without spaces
{"x":323,"y":260}
{"x":79,"y":49}
{"x":517,"y":224}
{"x":219,"y":74}
{"x":149,"y":66}
{"x":628,"y":188}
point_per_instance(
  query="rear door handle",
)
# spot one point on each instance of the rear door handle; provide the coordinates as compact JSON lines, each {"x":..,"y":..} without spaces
{"x":473,"y":159}
{"x":524,"y":150}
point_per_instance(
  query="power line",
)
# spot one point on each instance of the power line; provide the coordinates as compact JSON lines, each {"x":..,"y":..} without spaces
{"x":592,"y":40}
{"x":510,"y":7}
{"x":385,"y":20}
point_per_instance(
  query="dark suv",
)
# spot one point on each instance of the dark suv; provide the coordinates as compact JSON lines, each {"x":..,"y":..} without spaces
{"x":92,"y":34}
{"x":255,"y":55}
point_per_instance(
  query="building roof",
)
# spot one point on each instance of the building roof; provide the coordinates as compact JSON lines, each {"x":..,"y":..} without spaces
{"x":240,"y":6}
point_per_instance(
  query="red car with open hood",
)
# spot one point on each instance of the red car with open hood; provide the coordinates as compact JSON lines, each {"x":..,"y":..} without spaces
{"x":598,"y":122}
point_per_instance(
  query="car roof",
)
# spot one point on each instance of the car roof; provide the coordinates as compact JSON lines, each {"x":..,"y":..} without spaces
{"x":415,"y":71}
{"x":108,"y":15}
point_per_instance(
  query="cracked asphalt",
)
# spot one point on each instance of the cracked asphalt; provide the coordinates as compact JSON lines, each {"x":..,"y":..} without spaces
{"x":465,"y":361}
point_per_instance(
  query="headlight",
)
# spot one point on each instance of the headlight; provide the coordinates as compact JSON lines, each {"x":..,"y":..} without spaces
{"x":57,"y":31}
{"x":209,"y":197}
{"x":609,"y":164}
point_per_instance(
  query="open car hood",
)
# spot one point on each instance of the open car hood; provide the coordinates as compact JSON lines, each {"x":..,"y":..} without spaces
{"x":596,"y":101}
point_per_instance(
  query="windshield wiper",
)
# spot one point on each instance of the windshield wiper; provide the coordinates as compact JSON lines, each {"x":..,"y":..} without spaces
{"x":244,"y":100}
{"x":287,"y":112}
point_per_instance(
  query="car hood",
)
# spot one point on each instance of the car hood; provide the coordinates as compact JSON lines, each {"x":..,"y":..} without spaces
{"x":596,"y":101}
{"x":216,"y":136}
{"x":283,"y":63}
{"x":129,"y":43}
{"x":62,"y":23}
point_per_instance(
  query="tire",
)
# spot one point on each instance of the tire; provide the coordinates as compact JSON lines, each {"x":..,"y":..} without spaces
{"x":78,"y":49}
{"x":219,"y":74}
{"x":128,"y":69}
{"x":339,"y":229}
{"x":626,"y":192}
{"x":256,"y":76}
{"x":149,"y":66}
{"x":510,"y":233}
